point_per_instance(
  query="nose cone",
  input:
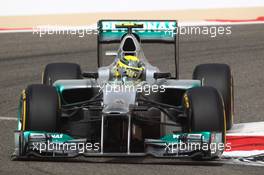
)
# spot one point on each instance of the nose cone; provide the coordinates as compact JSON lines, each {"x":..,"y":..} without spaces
{"x":118,"y":98}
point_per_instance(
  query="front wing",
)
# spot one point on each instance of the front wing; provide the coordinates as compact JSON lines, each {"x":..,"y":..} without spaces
{"x":204,"y":145}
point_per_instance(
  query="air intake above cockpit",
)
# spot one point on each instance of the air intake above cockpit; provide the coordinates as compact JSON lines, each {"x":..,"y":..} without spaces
{"x":129,"y":45}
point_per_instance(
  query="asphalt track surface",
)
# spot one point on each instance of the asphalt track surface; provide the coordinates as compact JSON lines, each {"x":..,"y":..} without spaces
{"x":24,"y":55}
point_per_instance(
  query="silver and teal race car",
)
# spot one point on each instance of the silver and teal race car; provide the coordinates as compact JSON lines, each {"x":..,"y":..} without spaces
{"x":128,"y":108}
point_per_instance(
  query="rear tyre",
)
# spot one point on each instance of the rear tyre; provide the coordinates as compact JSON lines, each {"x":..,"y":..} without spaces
{"x":205,"y":111}
{"x":60,"y":71}
{"x":40,"y":109}
{"x":218,"y":76}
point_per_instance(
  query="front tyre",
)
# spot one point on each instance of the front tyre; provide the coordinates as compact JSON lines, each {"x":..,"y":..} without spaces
{"x":40,"y":109}
{"x":205,"y":110}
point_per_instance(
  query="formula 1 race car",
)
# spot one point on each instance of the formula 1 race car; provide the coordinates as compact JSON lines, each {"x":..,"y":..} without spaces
{"x":128,"y":108}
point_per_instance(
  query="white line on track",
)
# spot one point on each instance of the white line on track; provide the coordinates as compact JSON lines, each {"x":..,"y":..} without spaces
{"x":215,"y":23}
{"x":15,"y":31}
{"x":230,"y":154}
{"x":8,"y":118}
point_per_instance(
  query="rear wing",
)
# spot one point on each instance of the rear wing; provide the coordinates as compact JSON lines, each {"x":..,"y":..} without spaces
{"x":153,"y":31}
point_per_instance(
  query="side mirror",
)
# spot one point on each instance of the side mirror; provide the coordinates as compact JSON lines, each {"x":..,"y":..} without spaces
{"x":110,"y":53}
{"x":158,"y":75}
{"x":90,"y":75}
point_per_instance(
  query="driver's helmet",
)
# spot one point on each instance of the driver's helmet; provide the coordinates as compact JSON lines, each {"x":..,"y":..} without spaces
{"x":129,"y":66}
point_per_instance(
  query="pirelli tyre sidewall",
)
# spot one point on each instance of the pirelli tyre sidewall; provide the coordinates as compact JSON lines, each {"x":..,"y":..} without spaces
{"x":205,"y":110}
{"x":60,"y":71}
{"x":41,"y":109}
{"x":220,"y":77}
